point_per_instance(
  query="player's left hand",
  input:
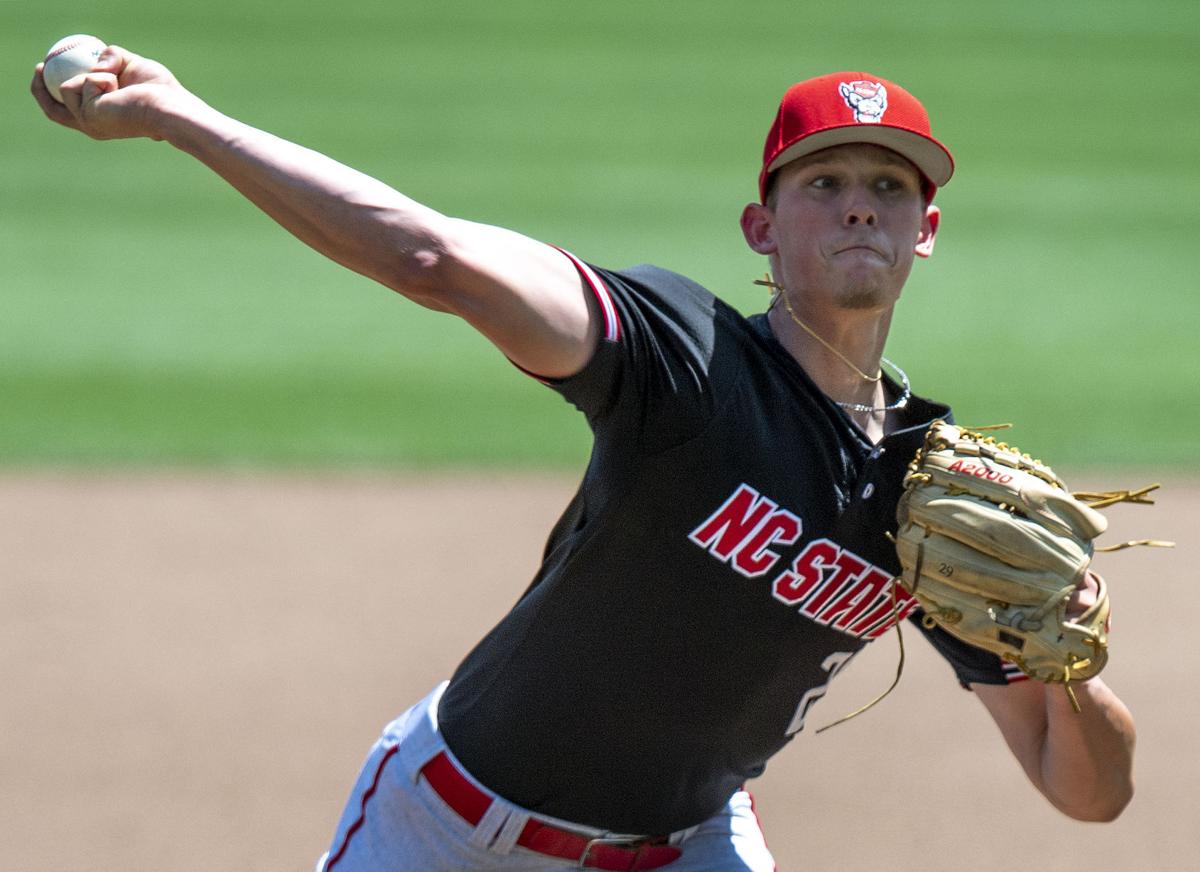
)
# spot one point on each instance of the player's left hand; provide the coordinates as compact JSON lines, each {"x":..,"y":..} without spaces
{"x":1085,"y":596}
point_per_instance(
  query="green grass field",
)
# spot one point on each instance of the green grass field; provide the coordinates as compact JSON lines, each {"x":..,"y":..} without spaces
{"x":148,"y":316}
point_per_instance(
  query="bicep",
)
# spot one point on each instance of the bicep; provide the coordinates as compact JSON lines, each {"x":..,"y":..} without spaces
{"x":527,"y":297}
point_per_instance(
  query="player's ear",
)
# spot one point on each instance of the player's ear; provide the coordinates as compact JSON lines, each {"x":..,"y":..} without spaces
{"x":929,"y":227}
{"x":758,"y":228}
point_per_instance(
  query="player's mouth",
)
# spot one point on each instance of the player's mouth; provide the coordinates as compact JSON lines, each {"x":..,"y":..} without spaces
{"x":861,"y":248}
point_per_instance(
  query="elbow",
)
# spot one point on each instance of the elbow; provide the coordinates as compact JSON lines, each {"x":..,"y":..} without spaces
{"x":1116,"y":804}
{"x":1098,"y":815}
{"x":1102,"y":809}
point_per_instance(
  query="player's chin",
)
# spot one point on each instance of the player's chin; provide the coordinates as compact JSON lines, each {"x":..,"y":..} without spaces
{"x":867,"y":295}
{"x":877,"y":288}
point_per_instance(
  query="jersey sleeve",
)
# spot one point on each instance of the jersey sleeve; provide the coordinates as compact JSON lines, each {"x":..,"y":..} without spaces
{"x":664,"y":361}
{"x":970,"y":664}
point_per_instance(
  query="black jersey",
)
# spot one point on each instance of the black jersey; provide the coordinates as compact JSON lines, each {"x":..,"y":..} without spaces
{"x":724,"y":557}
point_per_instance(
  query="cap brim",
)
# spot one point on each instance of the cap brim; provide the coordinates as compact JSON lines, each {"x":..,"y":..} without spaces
{"x":928,"y":155}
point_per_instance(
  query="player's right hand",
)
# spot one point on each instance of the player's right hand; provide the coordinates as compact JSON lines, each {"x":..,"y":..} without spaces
{"x":120,"y":98}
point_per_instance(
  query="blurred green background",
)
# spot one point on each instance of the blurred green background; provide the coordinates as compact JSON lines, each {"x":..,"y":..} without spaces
{"x":150,"y":317}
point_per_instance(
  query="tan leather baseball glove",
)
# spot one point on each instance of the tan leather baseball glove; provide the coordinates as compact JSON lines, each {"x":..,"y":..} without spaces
{"x":993,"y":545}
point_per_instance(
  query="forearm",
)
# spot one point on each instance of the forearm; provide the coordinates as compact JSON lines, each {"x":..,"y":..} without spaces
{"x":1082,"y":762}
{"x":524,"y":296}
{"x":1086,"y":757}
{"x":345,"y":215}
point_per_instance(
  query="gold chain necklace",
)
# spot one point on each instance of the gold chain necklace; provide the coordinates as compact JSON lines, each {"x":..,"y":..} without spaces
{"x":906,"y":392}
{"x":787,"y":304}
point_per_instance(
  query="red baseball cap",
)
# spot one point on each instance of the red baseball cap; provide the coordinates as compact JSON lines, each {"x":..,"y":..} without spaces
{"x":841,"y":108}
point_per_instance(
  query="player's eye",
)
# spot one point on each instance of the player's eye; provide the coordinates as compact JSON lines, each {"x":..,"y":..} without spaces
{"x":823,"y":182}
{"x":890,"y":184}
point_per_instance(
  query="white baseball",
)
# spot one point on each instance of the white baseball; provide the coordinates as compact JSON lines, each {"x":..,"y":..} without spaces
{"x":69,"y":57}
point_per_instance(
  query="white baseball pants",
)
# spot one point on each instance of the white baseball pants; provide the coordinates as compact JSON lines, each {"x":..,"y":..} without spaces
{"x":395,"y":821}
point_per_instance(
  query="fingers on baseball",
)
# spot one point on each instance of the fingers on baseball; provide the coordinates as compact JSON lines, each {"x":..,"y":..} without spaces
{"x":53,"y":110}
{"x":83,"y":90}
{"x":95,"y":84}
{"x":72,"y":93}
{"x":110,"y":60}
{"x":113,"y":60}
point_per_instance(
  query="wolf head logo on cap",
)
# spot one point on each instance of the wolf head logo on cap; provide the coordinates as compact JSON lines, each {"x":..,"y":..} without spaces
{"x":867,"y":99}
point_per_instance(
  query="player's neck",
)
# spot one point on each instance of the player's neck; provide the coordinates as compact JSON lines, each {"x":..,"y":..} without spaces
{"x":843,"y":357}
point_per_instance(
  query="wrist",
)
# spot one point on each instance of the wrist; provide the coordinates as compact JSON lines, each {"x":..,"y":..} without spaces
{"x":178,"y":118}
{"x":1086,"y":692}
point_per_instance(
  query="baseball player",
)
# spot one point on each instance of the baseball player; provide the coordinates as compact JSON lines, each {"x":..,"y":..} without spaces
{"x":727,"y":552}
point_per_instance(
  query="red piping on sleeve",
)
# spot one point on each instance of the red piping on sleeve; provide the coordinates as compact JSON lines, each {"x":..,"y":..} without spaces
{"x":608,"y":309}
{"x":612,"y":325}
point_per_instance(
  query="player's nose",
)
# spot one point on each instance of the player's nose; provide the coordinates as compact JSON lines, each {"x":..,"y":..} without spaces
{"x":860,"y":211}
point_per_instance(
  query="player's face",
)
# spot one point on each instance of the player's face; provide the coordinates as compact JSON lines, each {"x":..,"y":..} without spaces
{"x":845,"y":224}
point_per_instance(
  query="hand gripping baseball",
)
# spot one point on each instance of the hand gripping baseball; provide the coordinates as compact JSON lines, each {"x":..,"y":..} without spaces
{"x":119,"y":99}
{"x":997,"y":551}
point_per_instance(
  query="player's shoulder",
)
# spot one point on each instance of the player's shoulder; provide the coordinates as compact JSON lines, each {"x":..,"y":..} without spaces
{"x":672,"y":292}
{"x":661,"y":280}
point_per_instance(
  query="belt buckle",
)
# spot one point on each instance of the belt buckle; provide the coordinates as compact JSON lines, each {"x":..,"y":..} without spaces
{"x":632,"y":844}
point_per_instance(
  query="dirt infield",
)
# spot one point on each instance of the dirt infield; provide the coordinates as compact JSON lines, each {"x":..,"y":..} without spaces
{"x":195,"y":666}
